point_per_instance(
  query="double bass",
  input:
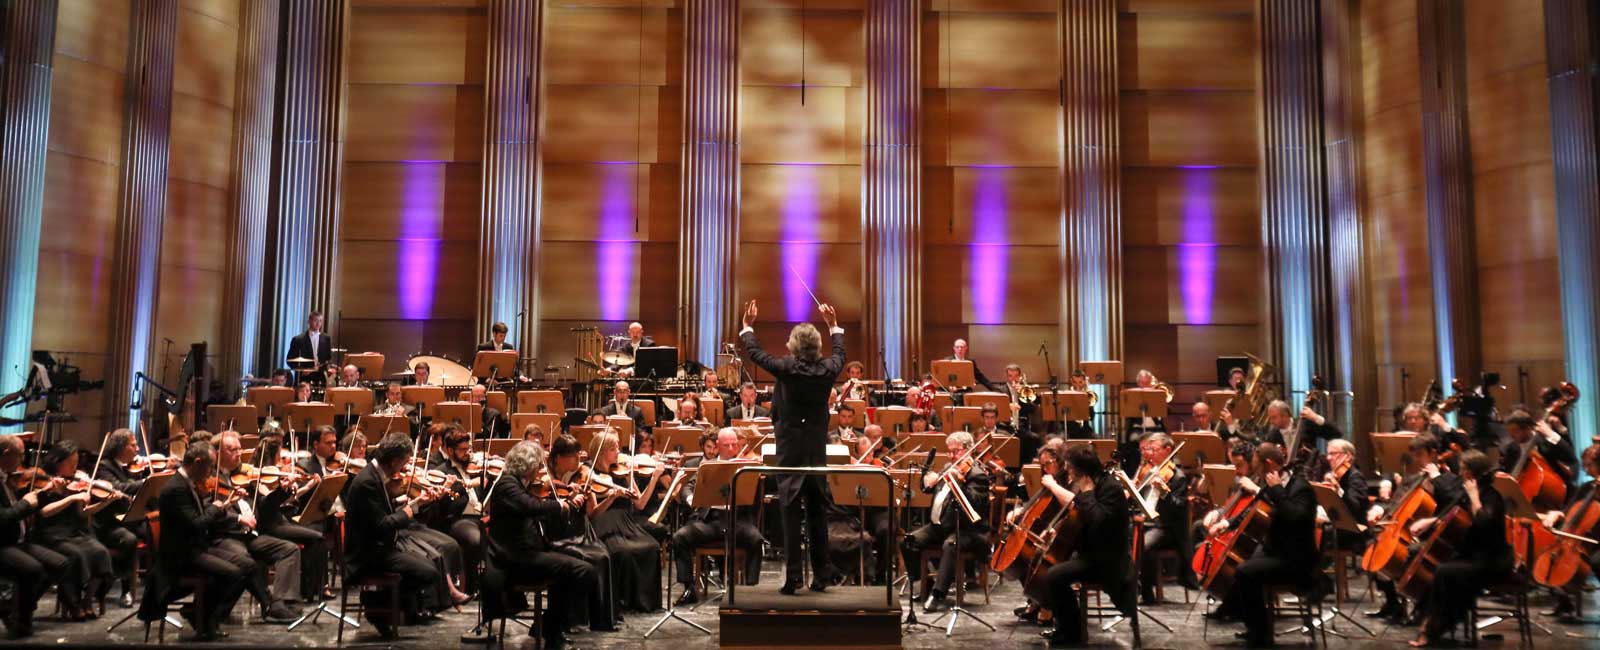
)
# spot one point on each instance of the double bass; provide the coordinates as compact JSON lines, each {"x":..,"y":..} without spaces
{"x":1539,"y":481}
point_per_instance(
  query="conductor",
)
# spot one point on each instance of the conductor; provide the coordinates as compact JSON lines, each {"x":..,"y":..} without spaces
{"x":800,"y":422}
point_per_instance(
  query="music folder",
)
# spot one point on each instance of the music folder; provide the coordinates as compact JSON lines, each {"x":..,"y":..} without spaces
{"x":321,"y":501}
{"x":142,"y":503}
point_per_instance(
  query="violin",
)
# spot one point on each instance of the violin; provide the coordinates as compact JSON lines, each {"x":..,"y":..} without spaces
{"x":546,"y":487}
{"x":29,"y":478}
{"x":153,"y":463}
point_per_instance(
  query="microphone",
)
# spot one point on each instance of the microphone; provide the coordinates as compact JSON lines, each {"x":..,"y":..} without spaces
{"x":932,"y":451}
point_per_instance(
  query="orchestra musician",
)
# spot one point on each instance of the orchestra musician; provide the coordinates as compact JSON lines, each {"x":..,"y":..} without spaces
{"x":635,"y":553}
{"x":1201,"y":412}
{"x":958,"y":352}
{"x":1080,"y":429}
{"x":32,"y":567}
{"x":918,"y":424}
{"x":688,"y":414}
{"x":1447,"y":492}
{"x":1146,"y":380}
{"x":373,"y":527}
{"x":1289,"y":554}
{"x":1236,"y":379}
{"x":1102,"y":558}
{"x":289,"y":495}
{"x":709,"y":525}
{"x":392,"y":404}
{"x":854,"y":386}
{"x":324,"y":448}
{"x":1280,"y":421}
{"x":312,"y":344}
{"x":62,"y":524}
{"x":192,"y":522}
{"x":1484,"y":557}
{"x":620,"y":405}
{"x":1565,"y":609}
{"x":747,"y":408}
{"x":122,"y":540}
{"x":1350,"y":484}
{"x":497,"y":339}
{"x":350,"y":377}
{"x":636,"y":340}
{"x":800,"y":421}
{"x":914,"y":398}
{"x":458,"y":514}
{"x":571,"y":534}
{"x":713,"y":388}
{"x":495,"y":423}
{"x":280,"y":377}
{"x":421,"y":373}
{"x":241,"y":542}
{"x":941,"y":527}
{"x":1526,"y":434}
{"x":1023,"y":410}
{"x":1051,"y":462}
{"x":845,"y":433}
{"x":1170,"y":531}
{"x":519,"y":552}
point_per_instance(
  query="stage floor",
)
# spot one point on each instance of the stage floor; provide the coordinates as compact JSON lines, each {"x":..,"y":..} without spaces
{"x":1188,"y":626}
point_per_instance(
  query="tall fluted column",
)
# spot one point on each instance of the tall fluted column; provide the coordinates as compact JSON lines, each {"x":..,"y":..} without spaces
{"x":1293,"y":221}
{"x":508,"y":249}
{"x":1447,"y":172}
{"x":257,"y":73}
{"x":1091,"y":166}
{"x":27,"y":52}
{"x":891,"y":203}
{"x":304,"y":229}
{"x":146,"y":142}
{"x":1351,"y":338}
{"x":708,"y":244}
{"x":1572,"y":45}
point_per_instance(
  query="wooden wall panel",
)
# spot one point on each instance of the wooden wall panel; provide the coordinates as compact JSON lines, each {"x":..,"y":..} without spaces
{"x":414,"y":122}
{"x":777,"y":128}
{"x":575,"y":27}
{"x":414,"y":201}
{"x":1178,"y":52}
{"x":1161,"y":129}
{"x":1174,"y":206}
{"x":766,"y":192}
{"x":1028,"y":195}
{"x":990,"y":47}
{"x":402,"y":47}
{"x":997,"y":126}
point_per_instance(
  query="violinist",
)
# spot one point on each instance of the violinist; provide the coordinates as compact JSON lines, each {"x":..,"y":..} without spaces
{"x":460,"y":512}
{"x":1423,"y":454}
{"x":1565,"y":611}
{"x":1289,"y":554}
{"x":353,"y":446}
{"x":243,"y":543}
{"x":518,"y":550}
{"x":32,"y":566}
{"x":63,"y":524}
{"x":747,"y":408}
{"x":192,"y":521}
{"x":570,"y":534}
{"x":973,"y":479}
{"x":1483,"y":558}
{"x":324,"y":449}
{"x":1348,"y":482}
{"x":709,"y":525}
{"x":374,"y":523}
{"x":1527,"y":434}
{"x":635,"y":553}
{"x":417,"y":536}
{"x":1165,"y":481}
{"x":281,"y":500}
{"x":121,"y":539}
{"x":1101,"y":559}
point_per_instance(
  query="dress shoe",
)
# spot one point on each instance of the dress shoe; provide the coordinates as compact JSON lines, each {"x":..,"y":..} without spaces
{"x":279,"y":612}
{"x":1059,"y":638}
{"x":819,"y":587}
{"x":384,"y":629}
{"x":1253,"y":641}
{"x":789,"y":588}
{"x":126,"y":599}
{"x":686,"y":599}
{"x":935,"y":603}
{"x":1562,"y":609}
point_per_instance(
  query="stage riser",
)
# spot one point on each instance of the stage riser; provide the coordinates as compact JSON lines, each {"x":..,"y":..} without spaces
{"x":775,"y":629}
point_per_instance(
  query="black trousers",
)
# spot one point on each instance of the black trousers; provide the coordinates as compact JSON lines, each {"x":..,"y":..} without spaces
{"x":313,"y":557}
{"x":1254,"y":576}
{"x":122,"y":543}
{"x":226,"y":582}
{"x":812,"y":497}
{"x":574,"y":580}
{"x":468,"y":534}
{"x":94,"y":569}
{"x":32,"y":567}
{"x":1053,"y":589}
{"x":259,"y":552}
{"x":417,"y":576}
{"x":1456,"y":586}
{"x":973,"y":545}
{"x":699,"y":532}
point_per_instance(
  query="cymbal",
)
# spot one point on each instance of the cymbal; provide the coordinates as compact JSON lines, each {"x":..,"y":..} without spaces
{"x":301,"y":360}
{"x":404,"y":373}
{"x":617,"y":358}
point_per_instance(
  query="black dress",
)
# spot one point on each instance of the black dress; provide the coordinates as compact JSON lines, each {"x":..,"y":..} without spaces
{"x":1484,"y":559}
{"x":68,"y":532}
{"x":573,"y":537}
{"x":635,"y":554}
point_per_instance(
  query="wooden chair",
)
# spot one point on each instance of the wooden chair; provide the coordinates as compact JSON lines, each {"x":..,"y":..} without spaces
{"x":1305,"y":605}
{"x":932,"y":555}
{"x":538,"y":589}
{"x":730,"y":570}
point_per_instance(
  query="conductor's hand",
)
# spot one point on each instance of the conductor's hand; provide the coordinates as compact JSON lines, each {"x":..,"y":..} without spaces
{"x":828,"y":315}
{"x":749,"y":313}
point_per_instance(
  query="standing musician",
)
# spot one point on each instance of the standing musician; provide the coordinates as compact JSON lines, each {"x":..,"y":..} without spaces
{"x":709,"y":525}
{"x":460,"y":511}
{"x":122,"y":540}
{"x":1484,"y":556}
{"x":958,"y":352}
{"x":800,"y":421}
{"x":636,"y":340}
{"x":373,"y":526}
{"x":1167,"y":482}
{"x":518,"y":550}
{"x":32,"y":567}
{"x":192,"y":522}
{"x":497,"y":339}
{"x":1348,"y":482}
{"x":619,"y":405}
{"x":747,"y":408}
{"x":312,"y":344}
{"x":854,"y":386}
{"x":1102,"y":555}
{"x":244,"y":544}
{"x":940,"y":531}
{"x":1289,"y":554}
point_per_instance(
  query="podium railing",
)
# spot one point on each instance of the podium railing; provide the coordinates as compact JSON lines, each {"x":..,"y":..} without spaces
{"x":768,"y":470}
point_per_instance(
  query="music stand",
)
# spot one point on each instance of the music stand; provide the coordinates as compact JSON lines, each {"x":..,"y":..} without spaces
{"x":1106,"y":373}
{"x":685,"y":440}
{"x":860,"y":491}
{"x":859,"y":406}
{"x":377,"y":426}
{"x":316,"y":509}
{"x":1218,"y":400}
{"x":895,"y":420}
{"x":920,"y":443}
{"x":425,"y":398}
{"x":713,"y":488}
{"x":350,"y":402}
{"x":467,"y":415}
{"x":954,"y":374}
{"x":495,"y":446}
{"x":306,"y":416}
{"x":659,"y":362}
{"x":145,"y":499}
{"x":269,"y":400}
{"x":1001,"y":402}
{"x":1199,"y":447}
{"x":370,"y":364}
{"x":648,"y":408}
{"x":624,"y":426}
{"x":1007,"y":449}
{"x":548,"y":423}
{"x":968,"y":512}
{"x":235,"y":417}
{"x":540,"y":401}
{"x":1032,"y":478}
{"x":964,"y":418}
{"x":1390,"y":450}
{"x":494,"y":364}
{"x":1066,"y":405}
{"x":584,"y":433}
{"x":712,"y":410}
{"x":1144,"y":403}
{"x":1219,"y":480}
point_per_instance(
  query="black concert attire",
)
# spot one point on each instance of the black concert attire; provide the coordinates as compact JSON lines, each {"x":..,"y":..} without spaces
{"x":301,"y":347}
{"x":68,"y":532}
{"x":710,"y":525}
{"x":191,"y":526}
{"x":1484,"y":557}
{"x":1289,"y":556}
{"x":274,"y":517}
{"x":800,"y":422}
{"x":635,"y":553}
{"x":629,"y":409}
{"x":1080,"y":429}
{"x":1307,"y":440}
{"x":460,"y":517}
{"x":491,"y":346}
{"x":632,"y":348}
{"x":519,"y":554}
{"x":1102,"y":559}
{"x":570,"y":534}
{"x":32,"y":567}
{"x":739,"y":412}
{"x":1353,"y":486}
{"x":121,"y":540}
{"x":244,"y":546}
{"x":1170,"y":532}
{"x":374,"y":527}
{"x":940,"y":530}
{"x":1558,"y":454}
{"x":977,"y":376}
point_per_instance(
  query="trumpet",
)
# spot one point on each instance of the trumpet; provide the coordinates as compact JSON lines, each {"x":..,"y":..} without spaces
{"x":1165,"y":388}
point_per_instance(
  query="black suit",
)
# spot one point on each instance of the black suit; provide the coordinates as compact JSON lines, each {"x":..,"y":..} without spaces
{"x":630,"y":348}
{"x":630,"y":409}
{"x":973,"y":540}
{"x":300,"y":346}
{"x":800,"y":423}
{"x":191,"y":526}
{"x":30,"y":566}
{"x":490,"y":346}
{"x":1289,"y":557}
{"x":1170,"y":532}
{"x":372,"y":531}
{"x":1354,"y":485}
{"x":739,"y":412}
{"x":977,"y":375}
{"x":518,"y":553}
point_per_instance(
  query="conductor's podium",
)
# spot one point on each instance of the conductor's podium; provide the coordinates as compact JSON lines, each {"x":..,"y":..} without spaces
{"x":856,"y":617}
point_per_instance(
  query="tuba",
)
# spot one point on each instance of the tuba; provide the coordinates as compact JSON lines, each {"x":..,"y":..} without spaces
{"x":1258,"y":391}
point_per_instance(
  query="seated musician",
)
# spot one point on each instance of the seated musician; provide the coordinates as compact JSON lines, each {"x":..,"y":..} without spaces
{"x":497,"y":339}
{"x":1415,"y":418}
{"x":1483,"y":555}
{"x":303,"y":393}
{"x":290,"y":494}
{"x":930,"y":417}
{"x":392,"y":404}
{"x":280,"y":377}
{"x":918,"y":423}
{"x":846,"y":432}
{"x":1289,"y":554}
{"x":324,"y":448}
{"x":459,"y":513}
{"x":1171,"y":529}
{"x":747,"y":408}
{"x":1242,"y":455}
{"x":941,"y":529}
{"x":1201,"y":412}
{"x":870,"y":448}
{"x":243,"y":543}
{"x":1102,"y":557}
{"x":32,"y":567}
{"x":709,"y":525}
{"x":519,"y":552}
{"x":688,"y":414}
{"x":990,"y":424}
{"x":1527,"y":434}
{"x":1281,"y":423}
{"x":373,"y":526}
{"x":420,"y":374}
{"x":63,"y":524}
{"x":354,"y":447}
{"x":570,"y":534}
{"x":619,"y":405}
{"x":854,"y":386}
{"x":1445,"y":487}
{"x":1351,"y":485}
{"x":713,"y":385}
{"x":1565,"y":611}
{"x":495,"y":423}
{"x":1144,"y":380}
{"x":121,"y":539}
{"x":1051,"y":460}
{"x":192,"y":524}
{"x":635,"y":552}
{"x":1080,"y":429}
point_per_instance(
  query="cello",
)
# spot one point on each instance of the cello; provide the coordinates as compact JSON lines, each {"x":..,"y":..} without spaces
{"x":1565,"y":563}
{"x":1440,"y":547}
{"x":1019,"y":538}
{"x":1391,"y":551}
{"x":1539,"y":481}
